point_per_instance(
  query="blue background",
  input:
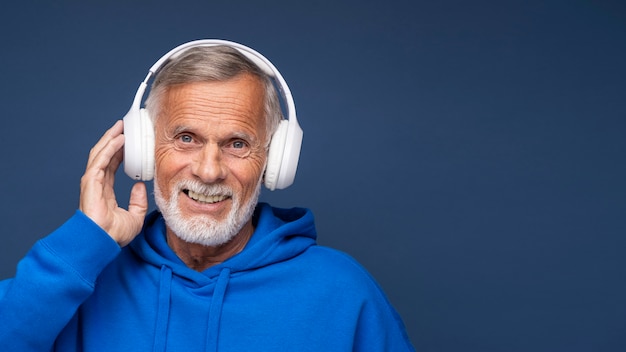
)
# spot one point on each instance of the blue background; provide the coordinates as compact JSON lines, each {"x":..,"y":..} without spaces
{"x":470,"y":154}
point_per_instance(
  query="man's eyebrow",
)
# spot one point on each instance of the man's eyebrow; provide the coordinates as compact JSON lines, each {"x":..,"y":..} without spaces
{"x":243,"y":135}
{"x":180,"y":128}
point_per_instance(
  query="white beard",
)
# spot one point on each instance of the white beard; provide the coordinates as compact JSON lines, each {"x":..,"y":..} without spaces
{"x":202,"y":229}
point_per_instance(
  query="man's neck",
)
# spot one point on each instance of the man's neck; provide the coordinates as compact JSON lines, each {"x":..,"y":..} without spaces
{"x":200,"y":257}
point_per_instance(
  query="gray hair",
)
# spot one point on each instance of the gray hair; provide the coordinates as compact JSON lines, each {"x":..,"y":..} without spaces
{"x":210,"y":64}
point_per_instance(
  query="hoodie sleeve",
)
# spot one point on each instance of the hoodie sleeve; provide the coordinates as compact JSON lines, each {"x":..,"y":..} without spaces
{"x":54,"y":278}
{"x":379,"y":326}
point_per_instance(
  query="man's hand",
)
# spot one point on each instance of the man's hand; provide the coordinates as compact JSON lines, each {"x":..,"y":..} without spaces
{"x":97,"y":197}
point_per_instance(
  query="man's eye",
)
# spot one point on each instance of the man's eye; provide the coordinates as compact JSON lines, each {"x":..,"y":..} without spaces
{"x":239,"y":144}
{"x":238,"y":147}
{"x":186,"y":138}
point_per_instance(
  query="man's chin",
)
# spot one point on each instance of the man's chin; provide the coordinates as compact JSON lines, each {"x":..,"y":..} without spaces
{"x":201,"y":231}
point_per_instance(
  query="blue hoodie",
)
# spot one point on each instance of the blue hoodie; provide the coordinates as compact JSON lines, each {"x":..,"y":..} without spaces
{"x":76,"y":290}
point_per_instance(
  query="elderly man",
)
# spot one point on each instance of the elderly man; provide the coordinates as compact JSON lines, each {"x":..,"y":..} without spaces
{"x":212,"y":269}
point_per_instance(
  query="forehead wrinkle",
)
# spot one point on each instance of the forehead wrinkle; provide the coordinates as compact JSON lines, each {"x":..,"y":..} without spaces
{"x":190,"y":108}
{"x":214,"y":107}
{"x":217,"y":105}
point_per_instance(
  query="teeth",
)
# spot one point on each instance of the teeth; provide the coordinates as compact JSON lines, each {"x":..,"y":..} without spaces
{"x":206,"y":199}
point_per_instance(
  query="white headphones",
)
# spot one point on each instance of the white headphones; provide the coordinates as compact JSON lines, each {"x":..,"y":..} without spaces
{"x":284,"y":150}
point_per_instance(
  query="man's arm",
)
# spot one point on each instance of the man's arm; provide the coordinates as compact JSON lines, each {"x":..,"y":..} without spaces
{"x":56,"y":276}
{"x":59,"y":272}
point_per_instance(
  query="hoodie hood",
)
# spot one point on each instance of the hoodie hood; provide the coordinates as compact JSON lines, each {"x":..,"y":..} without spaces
{"x":280,"y":234}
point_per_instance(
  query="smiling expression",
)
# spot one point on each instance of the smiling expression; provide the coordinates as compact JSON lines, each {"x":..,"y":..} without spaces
{"x":210,"y":154}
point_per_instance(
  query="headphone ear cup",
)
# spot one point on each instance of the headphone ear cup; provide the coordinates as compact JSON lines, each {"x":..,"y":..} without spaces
{"x":275,"y":155}
{"x":147,"y":146}
{"x":132,"y":144}
{"x":138,"y":145}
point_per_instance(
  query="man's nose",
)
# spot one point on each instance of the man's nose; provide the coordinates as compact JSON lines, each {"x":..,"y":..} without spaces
{"x":209,"y":166}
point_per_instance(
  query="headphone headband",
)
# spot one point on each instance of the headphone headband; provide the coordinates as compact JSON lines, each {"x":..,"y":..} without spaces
{"x":261,"y":61}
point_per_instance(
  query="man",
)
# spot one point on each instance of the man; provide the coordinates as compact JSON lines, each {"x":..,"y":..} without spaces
{"x":212,"y":270}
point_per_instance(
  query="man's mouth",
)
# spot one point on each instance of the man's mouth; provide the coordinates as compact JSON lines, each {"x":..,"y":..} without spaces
{"x":203,"y":198}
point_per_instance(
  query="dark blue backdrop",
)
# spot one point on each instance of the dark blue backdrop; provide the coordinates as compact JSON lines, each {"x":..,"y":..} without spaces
{"x":469,"y":153}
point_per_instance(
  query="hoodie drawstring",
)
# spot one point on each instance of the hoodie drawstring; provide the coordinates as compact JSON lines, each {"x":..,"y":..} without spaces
{"x":163,"y":309}
{"x":215,"y":311}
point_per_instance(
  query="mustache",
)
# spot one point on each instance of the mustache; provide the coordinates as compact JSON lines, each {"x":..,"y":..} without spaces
{"x":204,"y":189}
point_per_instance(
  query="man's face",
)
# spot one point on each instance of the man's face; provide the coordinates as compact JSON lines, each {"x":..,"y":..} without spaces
{"x":210,"y":156}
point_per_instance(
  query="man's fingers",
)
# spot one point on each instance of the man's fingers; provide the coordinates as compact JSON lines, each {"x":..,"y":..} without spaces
{"x":107,"y":148}
{"x":138,"y":204}
{"x":97,"y":198}
{"x":107,"y":154}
